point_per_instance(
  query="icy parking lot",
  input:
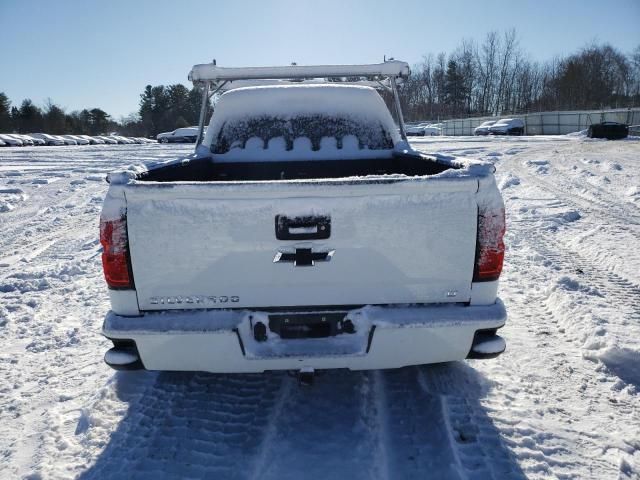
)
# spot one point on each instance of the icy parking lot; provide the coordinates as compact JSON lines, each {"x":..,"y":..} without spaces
{"x":562,"y":402}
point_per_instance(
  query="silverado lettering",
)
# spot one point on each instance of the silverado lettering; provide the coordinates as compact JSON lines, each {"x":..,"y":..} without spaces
{"x":196,"y":299}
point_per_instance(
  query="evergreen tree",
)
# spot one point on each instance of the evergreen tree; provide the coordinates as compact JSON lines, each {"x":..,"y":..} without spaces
{"x":160,"y":113}
{"x":167,"y":108}
{"x":6,"y":124}
{"x":54,"y":119}
{"x":454,"y":87}
{"x":29,"y":118}
{"x":178,"y":97}
{"x":99,"y":121}
{"x":181,"y":122}
{"x":193,"y":107}
{"x":146,"y":110}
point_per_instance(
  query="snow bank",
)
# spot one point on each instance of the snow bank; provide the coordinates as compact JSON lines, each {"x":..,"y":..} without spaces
{"x":622,"y":362}
{"x":10,"y":197}
{"x":509,"y":180}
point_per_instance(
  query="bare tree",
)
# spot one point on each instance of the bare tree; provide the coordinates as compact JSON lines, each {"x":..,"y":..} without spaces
{"x":486,"y":59}
{"x":507,"y":54}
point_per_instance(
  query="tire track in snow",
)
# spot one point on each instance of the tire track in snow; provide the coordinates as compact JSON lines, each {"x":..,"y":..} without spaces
{"x":377,"y":421}
{"x":325,"y":431}
{"x":191,"y":425}
{"x":561,"y":429}
{"x":554,"y":432}
{"x":623,"y":292}
{"x":369,"y":425}
{"x":417,"y":434}
{"x":476,"y":443}
{"x":572,"y":197}
{"x":580,"y":261}
{"x":16,"y":244}
{"x":598,"y":170}
{"x":266,"y":447}
{"x":524,"y":425}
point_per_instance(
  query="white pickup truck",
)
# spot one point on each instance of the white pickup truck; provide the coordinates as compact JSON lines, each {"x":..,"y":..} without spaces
{"x":304,"y":233}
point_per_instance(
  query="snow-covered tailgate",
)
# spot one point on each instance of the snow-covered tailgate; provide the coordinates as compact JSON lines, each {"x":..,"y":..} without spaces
{"x":208,"y":246}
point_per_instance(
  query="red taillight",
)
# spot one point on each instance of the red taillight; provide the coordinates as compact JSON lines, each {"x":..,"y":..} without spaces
{"x":490,"y":246}
{"x":115,"y":253}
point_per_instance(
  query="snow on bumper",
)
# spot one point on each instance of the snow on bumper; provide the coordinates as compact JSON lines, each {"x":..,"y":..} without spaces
{"x":385,"y":337}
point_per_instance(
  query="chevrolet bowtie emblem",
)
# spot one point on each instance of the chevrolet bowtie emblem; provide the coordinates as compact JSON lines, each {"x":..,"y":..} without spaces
{"x":303,"y":257}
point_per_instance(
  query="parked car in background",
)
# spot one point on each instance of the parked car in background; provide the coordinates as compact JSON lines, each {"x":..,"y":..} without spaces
{"x":2,"y":144}
{"x":423,"y":130}
{"x":92,"y":140}
{"x":107,"y":140}
{"x":179,"y":135}
{"x":435,"y":129}
{"x":81,"y":138}
{"x":415,"y":130}
{"x":36,"y":141}
{"x":48,"y":139}
{"x":608,"y":130}
{"x":26,"y":141}
{"x":76,"y":138}
{"x":507,"y":126}
{"x":67,"y":141}
{"x":122,"y":140}
{"x":483,"y":128}
{"x":10,"y":141}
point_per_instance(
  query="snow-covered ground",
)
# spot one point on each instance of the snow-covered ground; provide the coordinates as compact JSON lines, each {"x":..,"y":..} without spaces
{"x":562,"y":402}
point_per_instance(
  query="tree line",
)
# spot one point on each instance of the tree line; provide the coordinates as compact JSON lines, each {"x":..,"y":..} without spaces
{"x":30,"y":118}
{"x":162,"y":108}
{"x":491,"y":77}
{"x":497,"y":77}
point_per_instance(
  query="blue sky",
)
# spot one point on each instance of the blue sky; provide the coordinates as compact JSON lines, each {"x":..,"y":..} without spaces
{"x":102,"y":54}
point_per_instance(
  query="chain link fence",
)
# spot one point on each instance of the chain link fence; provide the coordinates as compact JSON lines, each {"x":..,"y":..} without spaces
{"x":549,"y":123}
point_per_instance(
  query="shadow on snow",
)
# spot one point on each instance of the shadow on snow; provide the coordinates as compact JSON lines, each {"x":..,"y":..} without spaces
{"x":415,"y":422}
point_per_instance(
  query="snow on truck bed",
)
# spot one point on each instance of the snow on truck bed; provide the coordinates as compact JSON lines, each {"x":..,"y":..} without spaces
{"x":562,"y":402}
{"x":351,"y":122}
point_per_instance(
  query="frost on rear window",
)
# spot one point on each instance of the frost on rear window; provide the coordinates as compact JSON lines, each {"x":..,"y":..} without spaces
{"x":268,"y":131}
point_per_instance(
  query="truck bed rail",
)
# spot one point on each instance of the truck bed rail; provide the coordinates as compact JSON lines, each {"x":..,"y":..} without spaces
{"x":210,"y":72}
{"x":213,"y":79}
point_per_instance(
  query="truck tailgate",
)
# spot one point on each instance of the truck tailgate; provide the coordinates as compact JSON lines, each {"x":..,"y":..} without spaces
{"x":216,"y":245}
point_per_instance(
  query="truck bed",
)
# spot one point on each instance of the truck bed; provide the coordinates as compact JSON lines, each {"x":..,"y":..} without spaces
{"x":208,"y":170}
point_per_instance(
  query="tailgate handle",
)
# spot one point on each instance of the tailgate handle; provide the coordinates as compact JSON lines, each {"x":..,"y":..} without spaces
{"x":310,"y":227}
